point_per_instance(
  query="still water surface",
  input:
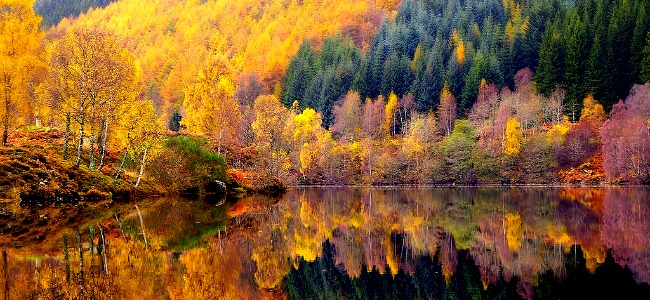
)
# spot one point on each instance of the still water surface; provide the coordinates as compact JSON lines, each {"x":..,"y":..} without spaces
{"x":338,"y":243}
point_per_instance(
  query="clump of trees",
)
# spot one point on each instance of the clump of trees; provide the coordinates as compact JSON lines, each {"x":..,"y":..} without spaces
{"x":53,"y":11}
{"x":184,"y":164}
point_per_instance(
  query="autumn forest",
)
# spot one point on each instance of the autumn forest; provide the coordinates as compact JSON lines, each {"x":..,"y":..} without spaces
{"x":347,"y":92}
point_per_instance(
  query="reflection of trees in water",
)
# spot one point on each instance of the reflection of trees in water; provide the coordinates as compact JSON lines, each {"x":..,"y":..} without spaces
{"x":515,"y":233}
{"x":626,"y":224}
{"x":430,"y":242}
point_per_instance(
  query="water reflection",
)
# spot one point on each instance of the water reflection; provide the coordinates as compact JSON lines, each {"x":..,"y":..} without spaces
{"x":423,"y":242}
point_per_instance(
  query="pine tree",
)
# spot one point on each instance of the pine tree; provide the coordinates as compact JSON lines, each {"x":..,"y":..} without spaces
{"x":618,"y":59}
{"x":174,"y":123}
{"x":575,"y":57}
{"x":473,"y":78}
{"x":549,"y":66}
{"x":300,"y":73}
{"x":641,"y":27}
{"x":645,"y":63}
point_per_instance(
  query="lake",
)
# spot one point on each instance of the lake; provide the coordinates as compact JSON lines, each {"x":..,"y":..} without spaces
{"x":337,"y":243}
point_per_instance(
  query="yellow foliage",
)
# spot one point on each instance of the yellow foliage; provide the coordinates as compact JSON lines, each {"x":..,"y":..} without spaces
{"x":210,"y":106}
{"x":514,"y":231}
{"x":460,"y":47}
{"x":269,"y":125}
{"x":513,"y":137}
{"x":308,"y":155}
{"x":592,"y":110}
{"x":390,"y":111}
{"x":270,"y":117}
{"x":594,"y":257}
{"x":306,"y":126}
{"x":210,"y":275}
{"x":306,"y":248}
{"x":412,"y":146}
{"x":138,"y":128}
{"x":558,"y":235}
{"x":417,"y":56}
{"x":517,"y":25}
{"x":174,"y":38}
{"x":19,"y":41}
{"x":391,"y":260}
{"x":447,"y":110}
{"x":272,"y":265}
{"x":460,"y":52}
{"x":558,"y":132}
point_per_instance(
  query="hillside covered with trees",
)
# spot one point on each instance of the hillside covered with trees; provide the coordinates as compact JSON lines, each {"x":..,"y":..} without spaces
{"x":54,"y":11}
{"x":345,"y":92}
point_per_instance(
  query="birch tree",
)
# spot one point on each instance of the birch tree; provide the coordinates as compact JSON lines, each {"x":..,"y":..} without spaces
{"x":210,"y":105}
{"x":94,"y":74}
{"x":139,"y":133}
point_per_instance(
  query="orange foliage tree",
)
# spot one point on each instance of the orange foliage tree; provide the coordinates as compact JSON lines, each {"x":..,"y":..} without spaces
{"x":19,"y":41}
{"x":210,"y":106}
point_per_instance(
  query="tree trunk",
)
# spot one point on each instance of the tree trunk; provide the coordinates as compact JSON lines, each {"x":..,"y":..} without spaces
{"x":66,"y":259}
{"x":91,"y":238}
{"x":81,"y":139}
{"x":105,"y":264}
{"x":5,"y":118}
{"x":219,"y":142}
{"x":91,"y":147}
{"x":103,"y":145}
{"x":144,"y":156}
{"x":119,"y":170}
{"x":119,"y":223}
{"x":5,"y":271}
{"x":146,"y":243}
{"x":66,"y":136}
{"x":81,"y":259}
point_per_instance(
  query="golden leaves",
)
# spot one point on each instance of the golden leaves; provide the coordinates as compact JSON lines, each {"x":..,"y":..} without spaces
{"x":592,"y":110}
{"x":210,"y":106}
{"x":513,"y":137}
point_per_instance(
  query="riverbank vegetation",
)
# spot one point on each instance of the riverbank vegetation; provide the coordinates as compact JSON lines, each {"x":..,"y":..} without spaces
{"x":382,"y":92}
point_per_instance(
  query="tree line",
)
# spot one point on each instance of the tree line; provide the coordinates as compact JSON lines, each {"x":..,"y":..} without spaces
{"x":537,"y":61}
{"x":443,"y":93}
{"x":53,"y":11}
{"x":596,"y":47}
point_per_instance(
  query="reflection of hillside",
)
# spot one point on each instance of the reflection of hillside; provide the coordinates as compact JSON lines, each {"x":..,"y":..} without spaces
{"x":519,"y":228}
{"x":177,"y":225}
{"x":515,"y":239}
{"x":626,"y":228}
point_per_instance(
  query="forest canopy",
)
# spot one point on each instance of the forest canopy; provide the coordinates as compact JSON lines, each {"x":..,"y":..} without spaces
{"x":351,"y":92}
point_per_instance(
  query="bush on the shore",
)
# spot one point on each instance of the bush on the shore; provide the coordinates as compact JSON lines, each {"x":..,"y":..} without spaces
{"x":185,"y":165}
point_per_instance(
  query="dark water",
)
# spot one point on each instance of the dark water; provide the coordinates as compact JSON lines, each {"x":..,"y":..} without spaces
{"x":338,"y":243}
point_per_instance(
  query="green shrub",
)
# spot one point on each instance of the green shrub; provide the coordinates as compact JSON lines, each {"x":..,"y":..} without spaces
{"x":186,"y":165}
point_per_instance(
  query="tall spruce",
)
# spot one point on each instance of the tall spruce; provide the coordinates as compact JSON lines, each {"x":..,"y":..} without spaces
{"x":549,"y":66}
{"x":576,"y":46}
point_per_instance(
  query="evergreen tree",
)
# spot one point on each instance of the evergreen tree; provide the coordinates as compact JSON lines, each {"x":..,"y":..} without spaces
{"x":641,"y":28}
{"x":549,"y":66}
{"x":575,"y":56}
{"x":596,"y":81}
{"x":174,"y":123}
{"x":472,"y":81}
{"x":645,"y":63}
{"x":618,"y":59}
{"x":300,"y":73}
{"x":397,"y":75}
{"x":427,"y":84}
